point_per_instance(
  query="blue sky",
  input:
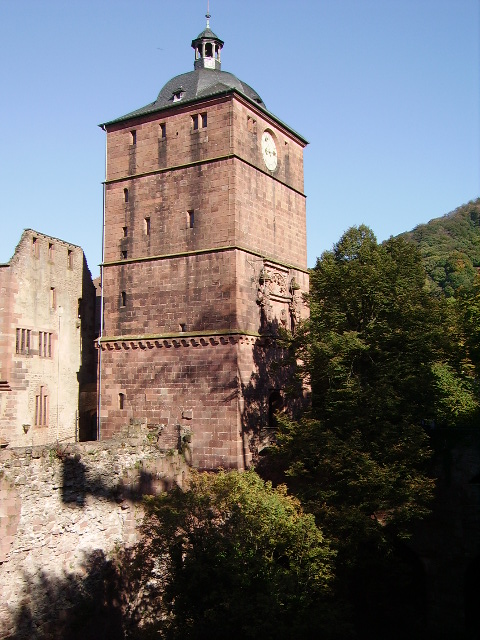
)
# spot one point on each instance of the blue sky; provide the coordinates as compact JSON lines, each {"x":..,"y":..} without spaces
{"x":386,"y":92}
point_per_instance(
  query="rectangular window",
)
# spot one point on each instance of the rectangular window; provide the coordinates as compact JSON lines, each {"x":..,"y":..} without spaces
{"x":51,"y":251}
{"x":22,"y":341}
{"x":44,"y":344}
{"x":35,"y":247}
{"x":125,"y":231}
{"x":53,"y":298}
{"x":134,"y":137}
{"x":124,"y":255}
{"x":121,"y":400}
{"x":190,"y":219}
{"x":41,"y":409}
{"x":163,"y":130}
{"x":195,"y":122}
{"x":70,"y":259}
{"x":147,"y":226}
{"x":204,"y":120}
{"x":124,"y":299}
{"x":125,"y":195}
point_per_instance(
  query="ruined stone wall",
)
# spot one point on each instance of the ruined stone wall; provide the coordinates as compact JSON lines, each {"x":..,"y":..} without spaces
{"x":47,"y":345}
{"x":62,"y":509}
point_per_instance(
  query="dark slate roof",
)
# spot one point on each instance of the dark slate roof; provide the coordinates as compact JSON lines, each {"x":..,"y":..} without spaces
{"x":207,"y":34}
{"x":194,"y":85}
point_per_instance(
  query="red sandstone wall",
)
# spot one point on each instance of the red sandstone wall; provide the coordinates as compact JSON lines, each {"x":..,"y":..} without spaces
{"x":189,"y":383}
{"x":197,"y":291}
{"x":166,"y":198}
{"x":181,"y":145}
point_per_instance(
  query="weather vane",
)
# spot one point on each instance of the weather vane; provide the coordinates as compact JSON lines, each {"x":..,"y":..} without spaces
{"x":207,"y":15}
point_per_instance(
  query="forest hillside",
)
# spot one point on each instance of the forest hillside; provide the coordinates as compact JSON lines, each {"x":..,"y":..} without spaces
{"x":450,"y":248}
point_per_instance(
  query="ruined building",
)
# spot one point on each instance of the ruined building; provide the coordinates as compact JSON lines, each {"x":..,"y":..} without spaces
{"x":204,"y":258}
{"x":47,"y":355}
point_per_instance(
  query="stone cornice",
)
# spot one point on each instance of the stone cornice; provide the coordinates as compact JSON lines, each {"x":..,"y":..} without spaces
{"x":184,"y":339}
{"x":183,"y":254}
{"x":196,"y":163}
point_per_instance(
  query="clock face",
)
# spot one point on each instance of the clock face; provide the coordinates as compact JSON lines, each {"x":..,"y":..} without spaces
{"x":269,"y":151}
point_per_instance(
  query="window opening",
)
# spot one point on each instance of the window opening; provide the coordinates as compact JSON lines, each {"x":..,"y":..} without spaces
{"x":125,"y":195}
{"x":53,"y":298}
{"x":125,"y":231}
{"x":195,"y":122}
{"x":44,"y":344}
{"x":70,"y":259}
{"x":124,"y":298}
{"x":147,"y":226}
{"x":121,"y":400}
{"x":124,"y":255}
{"x":163,"y":130}
{"x":51,"y":250}
{"x":183,"y":327}
{"x":208,"y":50}
{"x":134,"y":137}
{"x":204,"y":120}
{"x":35,"y":247}
{"x":41,"y":409}
{"x":191,"y":219}
{"x":22,"y":341}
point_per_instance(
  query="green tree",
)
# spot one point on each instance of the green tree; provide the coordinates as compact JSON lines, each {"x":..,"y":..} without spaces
{"x":359,"y":459}
{"x":232,"y":557}
{"x":367,"y":352}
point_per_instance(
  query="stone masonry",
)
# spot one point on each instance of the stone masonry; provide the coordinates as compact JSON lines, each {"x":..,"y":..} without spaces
{"x":204,"y":260}
{"x":62,"y":507}
{"x":47,"y":353}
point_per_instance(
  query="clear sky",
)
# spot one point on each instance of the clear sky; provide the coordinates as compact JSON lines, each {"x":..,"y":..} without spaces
{"x":386,"y":92}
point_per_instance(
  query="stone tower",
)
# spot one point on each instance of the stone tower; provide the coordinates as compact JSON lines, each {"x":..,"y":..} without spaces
{"x":204,"y":258}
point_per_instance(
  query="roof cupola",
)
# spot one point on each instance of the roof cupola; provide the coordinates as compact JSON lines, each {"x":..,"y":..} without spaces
{"x":207,"y":48}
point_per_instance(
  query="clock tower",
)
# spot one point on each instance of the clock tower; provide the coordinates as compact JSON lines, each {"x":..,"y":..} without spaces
{"x":204,"y":260}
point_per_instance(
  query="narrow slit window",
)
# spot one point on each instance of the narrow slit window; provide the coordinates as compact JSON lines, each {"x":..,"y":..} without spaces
{"x":124,"y":255}
{"x":191,"y":219}
{"x":204,"y":120}
{"x":41,"y":409}
{"x":70,"y":259}
{"x":35,"y":247}
{"x":121,"y":401}
{"x":163,"y":130}
{"x":124,"y":298}
{"x":195,"y":122}
{"x":53,"y":298}
{"x":40,"y":344}
{"x":133,"y":137}
{"x":125,"y":231}
{"x":147,"y":226}
{"x":125,"y":195}
{"x":51,"y":251}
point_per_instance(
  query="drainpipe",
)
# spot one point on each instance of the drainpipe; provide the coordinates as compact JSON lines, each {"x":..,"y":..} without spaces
{"x":99,"y":399}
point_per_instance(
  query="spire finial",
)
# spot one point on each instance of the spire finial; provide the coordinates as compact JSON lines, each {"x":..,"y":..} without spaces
{"x":207,"y":15}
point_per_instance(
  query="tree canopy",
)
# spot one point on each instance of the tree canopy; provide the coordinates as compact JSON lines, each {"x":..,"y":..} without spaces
{"x":232,"y":557}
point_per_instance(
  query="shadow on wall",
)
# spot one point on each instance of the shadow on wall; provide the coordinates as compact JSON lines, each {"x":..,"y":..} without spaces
{"x":272,"y":389}
{"x":78,"y":482}
{"x":72,"y":607}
